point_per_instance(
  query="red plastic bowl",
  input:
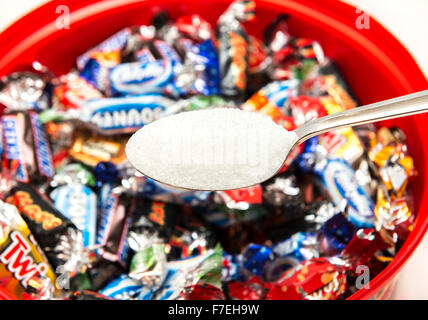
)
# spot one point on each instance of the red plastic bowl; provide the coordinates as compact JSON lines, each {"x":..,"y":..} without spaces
{"x":375,"y":64}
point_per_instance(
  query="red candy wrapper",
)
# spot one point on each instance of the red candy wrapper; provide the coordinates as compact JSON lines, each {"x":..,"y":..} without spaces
{"x":363,"y":247}
{"x":195,"y":27}
{"x":253,"y":289}
{"x":304,"y":109}
{"x":202,"y":292}
{"x":315,"y":279}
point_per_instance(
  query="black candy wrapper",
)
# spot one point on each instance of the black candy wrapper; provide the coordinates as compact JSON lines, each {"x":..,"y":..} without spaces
{"x":157,"y":215}
{"x":56,"y":234}
{"x":113,"y":226}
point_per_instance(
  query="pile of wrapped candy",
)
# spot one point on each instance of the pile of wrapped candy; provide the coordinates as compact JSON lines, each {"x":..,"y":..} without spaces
{"x":78,"y":222}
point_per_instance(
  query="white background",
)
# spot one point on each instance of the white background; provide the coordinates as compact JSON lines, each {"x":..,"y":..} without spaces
{"x":408,"y":21}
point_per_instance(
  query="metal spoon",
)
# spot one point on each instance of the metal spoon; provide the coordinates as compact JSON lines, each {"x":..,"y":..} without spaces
{"x":214,"y":176}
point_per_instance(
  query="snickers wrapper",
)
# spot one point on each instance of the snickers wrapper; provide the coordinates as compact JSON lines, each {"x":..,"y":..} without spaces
{"x":25,"y":140}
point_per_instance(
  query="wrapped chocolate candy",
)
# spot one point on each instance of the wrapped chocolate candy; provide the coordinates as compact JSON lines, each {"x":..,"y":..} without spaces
{"x":335,"y":234}
{"x":73,"y":91}
{"x":202,"y":292}
{"x":343,"y":143}
{"x":362,"y":248}
{"x":77,"y":201}
{"x":112,"y":44}
{"x":149,"y":265}
{"x":394,"y":165}
{"x":393,"y":216}
{"x":339,"y":179}
{"x":253,"y":289}
{"x":276,"y":93}
{"x":25,"y":91}
{"x":258,"y":58}
{"x":154,"y":215}
{"x":233,"y":47}
{"x":22,"y":260}
{"x":57,"y":235}
{"x":203,"y":269}
{"x":255,"y":258}
{"x":113,"y":226}
{"x":122,"y":288}
{"x":194,"y":26}
{"x":123,"y":115}
{"x":202,"y":65}
{"x":315,"y":279}
{"x":25,"y":141}
{"x":90,"y":149}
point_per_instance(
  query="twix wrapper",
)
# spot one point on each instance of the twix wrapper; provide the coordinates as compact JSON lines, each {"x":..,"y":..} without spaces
{"x":22,"y":261}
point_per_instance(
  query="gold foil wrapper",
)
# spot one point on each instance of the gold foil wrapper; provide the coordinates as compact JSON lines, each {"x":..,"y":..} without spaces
{"x":91,"y":149}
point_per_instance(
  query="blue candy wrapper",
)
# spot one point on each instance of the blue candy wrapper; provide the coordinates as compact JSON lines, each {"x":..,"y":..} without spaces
{"x":168,"y":54}
{"x":278,"y":92}
{"x":78,"y":203}
{"x":255,"y":258}
{"x":122,"y":288}
{"x":125,"y":114}
{"x":306,"y":160}
{"x":335,"y":234}
{"x":338,"y":178}
{"x":142,"y":77}
{"x":114,"y":43}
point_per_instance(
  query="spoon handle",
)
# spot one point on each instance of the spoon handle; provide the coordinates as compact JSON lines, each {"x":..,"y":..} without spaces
{"x":394,"y":108}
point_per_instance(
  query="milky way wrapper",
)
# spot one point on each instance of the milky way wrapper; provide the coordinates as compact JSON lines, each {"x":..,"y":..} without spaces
{"x":22,"y":260}
{"x":338,"y":177}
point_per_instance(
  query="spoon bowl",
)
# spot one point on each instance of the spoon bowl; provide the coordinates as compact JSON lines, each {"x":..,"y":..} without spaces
{"x":213,"y":149}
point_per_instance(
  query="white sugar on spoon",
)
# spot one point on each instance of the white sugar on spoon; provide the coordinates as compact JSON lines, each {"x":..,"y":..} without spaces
{"x":213,"y":149}
{"x":225,"y":148}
